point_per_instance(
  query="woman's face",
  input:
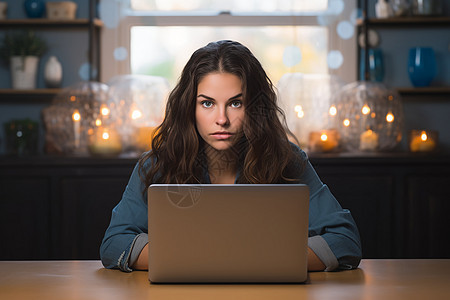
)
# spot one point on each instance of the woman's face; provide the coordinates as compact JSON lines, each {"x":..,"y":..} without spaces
{"x":219,"y":111}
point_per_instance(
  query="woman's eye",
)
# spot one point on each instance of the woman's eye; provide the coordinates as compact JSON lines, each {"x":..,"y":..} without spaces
{"x":236,"y":103}
{"x":206,"y":103}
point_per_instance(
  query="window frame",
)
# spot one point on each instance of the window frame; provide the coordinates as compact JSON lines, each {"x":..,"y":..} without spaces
{"x":120,"y":36}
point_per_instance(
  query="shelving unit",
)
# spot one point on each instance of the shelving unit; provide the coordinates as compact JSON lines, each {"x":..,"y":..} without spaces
{"x":24,"y":23}
{"x":92,"y":25}
{"x":407,"y":21}
{"x":35,"y":95}
{"x":445,"y":90}
{"x":404,"y":22}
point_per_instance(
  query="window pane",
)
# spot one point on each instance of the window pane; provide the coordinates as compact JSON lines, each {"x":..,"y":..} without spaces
{"x":231,"y":5}
{"x":163,"y":51}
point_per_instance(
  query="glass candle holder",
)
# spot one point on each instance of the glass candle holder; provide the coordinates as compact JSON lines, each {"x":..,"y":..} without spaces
{"x":423,"y":140}
{"x":323,"y":140}
{"x":369,"y":117}
{"x":306,"y":101}
{"x":105,"y":141}
{"x":73,"y":115}
{"x":139,"y":102}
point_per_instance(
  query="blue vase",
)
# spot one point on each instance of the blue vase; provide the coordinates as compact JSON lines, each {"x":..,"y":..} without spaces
{"x":34,"y":8}
{"x":421,"y":66}
{"x":376,"y":65}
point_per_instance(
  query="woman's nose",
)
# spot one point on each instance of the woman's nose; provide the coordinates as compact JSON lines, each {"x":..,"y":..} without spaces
{"x":222,"y":117}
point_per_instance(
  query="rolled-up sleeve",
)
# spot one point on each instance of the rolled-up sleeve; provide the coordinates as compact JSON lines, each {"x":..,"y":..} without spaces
{"x":128,"y":221}
{"x":333,"y":235}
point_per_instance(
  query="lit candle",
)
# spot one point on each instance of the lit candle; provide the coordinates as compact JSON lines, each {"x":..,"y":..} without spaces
{"x":422,"y":141}
{"x":332,"y":111}
{"x":365,"y":109}
{"x":76,"y":117}
{"x":390,"y":117}
{"x":299,"y":110}
{"x":105,"y":141}
{"x":104,"y":110}
{"x":323,"y":141}
{"x":368,"y":141}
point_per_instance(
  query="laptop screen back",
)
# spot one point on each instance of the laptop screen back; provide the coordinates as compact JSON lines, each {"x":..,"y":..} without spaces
{"x":228,"y":233}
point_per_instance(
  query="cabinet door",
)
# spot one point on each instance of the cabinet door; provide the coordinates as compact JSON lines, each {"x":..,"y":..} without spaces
{"x":369,"y":199}
{"x":24,"y":220}
{"x":428,"y":224}
{"x":86,"y":206}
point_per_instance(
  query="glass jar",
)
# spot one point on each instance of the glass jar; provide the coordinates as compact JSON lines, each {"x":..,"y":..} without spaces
{"x":400,"y":7}
{"x":426,"y":7}
{"x":369,"y":117}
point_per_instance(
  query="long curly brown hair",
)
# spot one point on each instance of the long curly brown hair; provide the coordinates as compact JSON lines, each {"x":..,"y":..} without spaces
{"x":263,"y":152}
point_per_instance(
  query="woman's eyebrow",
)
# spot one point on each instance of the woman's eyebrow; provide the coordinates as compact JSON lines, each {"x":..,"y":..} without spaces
{"x":236,"y":97}
{"x":204,"y":96}
{"x":210,"y":98}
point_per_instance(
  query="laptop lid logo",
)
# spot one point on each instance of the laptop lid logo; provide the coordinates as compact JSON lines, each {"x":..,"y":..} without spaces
{"x":184,"y":196}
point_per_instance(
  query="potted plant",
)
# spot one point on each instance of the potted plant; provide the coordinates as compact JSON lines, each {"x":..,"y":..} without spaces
{"x":22,"y":52}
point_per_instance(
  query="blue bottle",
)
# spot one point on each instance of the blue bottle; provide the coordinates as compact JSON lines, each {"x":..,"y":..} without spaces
{"x":34,"y":8}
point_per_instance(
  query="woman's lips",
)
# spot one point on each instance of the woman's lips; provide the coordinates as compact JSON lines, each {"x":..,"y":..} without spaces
{"x":222,"y":135}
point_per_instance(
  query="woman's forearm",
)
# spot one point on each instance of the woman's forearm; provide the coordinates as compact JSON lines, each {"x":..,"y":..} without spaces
{"x":314,"y":263}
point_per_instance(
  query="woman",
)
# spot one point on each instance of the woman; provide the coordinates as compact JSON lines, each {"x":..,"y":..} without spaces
{"x":222,"y":125}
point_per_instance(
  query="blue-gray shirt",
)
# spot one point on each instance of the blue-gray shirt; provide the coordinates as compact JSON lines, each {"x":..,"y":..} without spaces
{"x":333,"y":235}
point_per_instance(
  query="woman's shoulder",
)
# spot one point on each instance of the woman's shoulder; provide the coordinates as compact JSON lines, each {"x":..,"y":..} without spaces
{"x":298,"y":152}
{"x":145,"y":162}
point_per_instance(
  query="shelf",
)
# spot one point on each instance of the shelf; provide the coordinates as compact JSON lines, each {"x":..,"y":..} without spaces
{"x":407,"y":21}
{"x":424,"y":91}
{"x":49,"y":23}
{"x":34,"y":95}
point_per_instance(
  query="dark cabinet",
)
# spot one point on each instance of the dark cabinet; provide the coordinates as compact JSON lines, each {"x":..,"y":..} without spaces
{"x":428,"y":208}
{"x":25,"y":217}
{"x":400,"y":202}
{"x":59,"y":208}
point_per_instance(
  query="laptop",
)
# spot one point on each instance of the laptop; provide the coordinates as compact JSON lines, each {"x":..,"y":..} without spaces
{"x":237,"y":233}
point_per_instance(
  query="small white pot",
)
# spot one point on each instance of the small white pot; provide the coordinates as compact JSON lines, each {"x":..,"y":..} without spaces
{"x":53,"y":73}
{"x":23,"y":72}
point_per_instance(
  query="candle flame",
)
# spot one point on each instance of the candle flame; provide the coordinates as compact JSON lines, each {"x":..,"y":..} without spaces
{"x":73,"y":98}
{"x":105,"y":135}
{"x":423,"y":136}
{"x":136,"y":114}
{"x":104,"y":110}
{"x":333,"y":110}
{"x":98,"y":122}
{"x":365,"y":110}
{"x":346,"y":122}
{"x":76,"y":116}
{"x":324,"y":137}
{"x":299,"y":110}
{"x":390,"y":117}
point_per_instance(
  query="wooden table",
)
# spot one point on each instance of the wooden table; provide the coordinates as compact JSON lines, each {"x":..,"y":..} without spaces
{"x":375,"y":279}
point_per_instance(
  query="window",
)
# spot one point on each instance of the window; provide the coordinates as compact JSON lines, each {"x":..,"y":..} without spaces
{"x":157,"y":37}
